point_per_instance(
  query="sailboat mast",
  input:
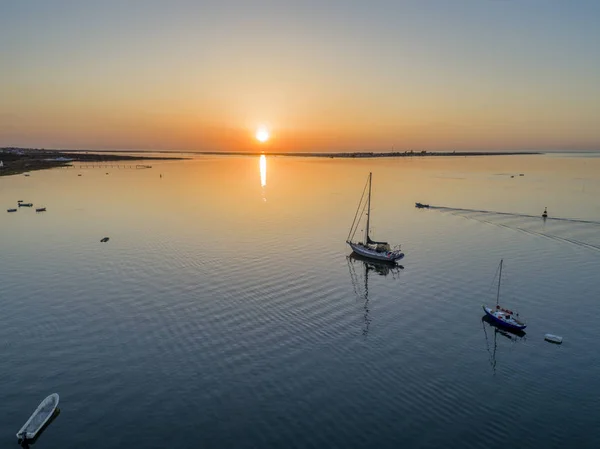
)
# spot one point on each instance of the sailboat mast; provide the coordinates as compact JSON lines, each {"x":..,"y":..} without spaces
{"x":368,"y":211}
{"x":499,"y":279}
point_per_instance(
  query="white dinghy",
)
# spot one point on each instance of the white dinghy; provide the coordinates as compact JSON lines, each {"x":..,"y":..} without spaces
{"x":553,"y":338}
{"x":39,"y":418}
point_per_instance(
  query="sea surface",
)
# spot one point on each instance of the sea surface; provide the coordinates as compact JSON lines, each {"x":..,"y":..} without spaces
{"x":225,"y":311}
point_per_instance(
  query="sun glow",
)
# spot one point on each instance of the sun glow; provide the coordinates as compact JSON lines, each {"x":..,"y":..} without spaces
{"x":262,"y":134}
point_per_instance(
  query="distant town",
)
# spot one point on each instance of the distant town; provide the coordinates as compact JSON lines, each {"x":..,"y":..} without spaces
{"x":372,"y":154}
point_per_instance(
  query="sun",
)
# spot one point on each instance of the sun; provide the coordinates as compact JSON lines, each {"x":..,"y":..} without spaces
{"x":262,"y":134}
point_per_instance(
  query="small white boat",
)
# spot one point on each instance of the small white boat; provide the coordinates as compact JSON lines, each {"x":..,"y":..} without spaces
{"x":553,"y":338}
{"x":39,"y":418}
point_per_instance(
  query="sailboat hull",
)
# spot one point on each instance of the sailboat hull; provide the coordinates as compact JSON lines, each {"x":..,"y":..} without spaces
{"x":503,"y":322}
{"x":365,"y":251}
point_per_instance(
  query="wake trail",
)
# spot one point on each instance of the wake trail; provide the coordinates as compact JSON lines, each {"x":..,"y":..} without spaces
{"x":487,"y":217}
{"x":572,"y":220}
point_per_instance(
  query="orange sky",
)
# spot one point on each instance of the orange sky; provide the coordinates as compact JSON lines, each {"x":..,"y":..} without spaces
{"x":483,"y":76}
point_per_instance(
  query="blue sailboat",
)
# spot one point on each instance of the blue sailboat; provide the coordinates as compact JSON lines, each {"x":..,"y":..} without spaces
{"x":501,"y":316}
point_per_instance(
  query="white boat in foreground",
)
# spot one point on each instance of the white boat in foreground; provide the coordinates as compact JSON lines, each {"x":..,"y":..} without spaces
{"x":39,"y":418}
{"x":370,"y":248}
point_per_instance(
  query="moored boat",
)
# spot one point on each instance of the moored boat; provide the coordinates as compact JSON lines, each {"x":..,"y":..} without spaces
{"x":25,"y":204}
{"x":501,"y":316}
{"x":370,"y":248}
{"x":40,"y":209}
{"x":11,"y":210}
{"x":504,"y":317}
{"x":39,"y":418}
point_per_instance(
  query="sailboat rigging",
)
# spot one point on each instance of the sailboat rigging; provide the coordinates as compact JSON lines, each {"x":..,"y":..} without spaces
{"x":370,"y":248}
{"x":502,"y":316}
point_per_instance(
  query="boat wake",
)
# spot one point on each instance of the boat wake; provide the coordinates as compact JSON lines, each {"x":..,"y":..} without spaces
{"x":582,"y":233}
{"x":510,"y":214}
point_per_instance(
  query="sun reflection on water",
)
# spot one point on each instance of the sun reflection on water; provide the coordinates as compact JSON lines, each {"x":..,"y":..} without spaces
{"x":263,"y":170}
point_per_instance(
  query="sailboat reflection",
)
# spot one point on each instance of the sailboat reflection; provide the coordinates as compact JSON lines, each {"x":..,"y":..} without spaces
{"x":361,"y":286}
{"x":514,"y":335}
{"x":263,"y":170}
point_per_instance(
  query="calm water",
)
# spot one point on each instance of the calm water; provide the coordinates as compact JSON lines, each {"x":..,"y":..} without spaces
{"x":225,"y":313}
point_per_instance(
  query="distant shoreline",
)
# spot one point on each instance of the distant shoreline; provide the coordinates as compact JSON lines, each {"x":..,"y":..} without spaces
{"x":343,"y":154}
{"x":372,"y":154}
{"x":16,"y":161}
{"x":21,"y":160}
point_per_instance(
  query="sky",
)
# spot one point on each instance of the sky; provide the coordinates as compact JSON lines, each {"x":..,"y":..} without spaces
{"x":328,"y":75}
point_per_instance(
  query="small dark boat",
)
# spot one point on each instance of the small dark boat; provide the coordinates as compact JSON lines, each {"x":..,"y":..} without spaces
{"x":25,"y":204}
{"x":20,"y":201}
{"x":545,"y":213}
{"x":104,"y":240}
{"x":40,"y":209}
{"x":11,"y":210}
{"x":421,"y":205}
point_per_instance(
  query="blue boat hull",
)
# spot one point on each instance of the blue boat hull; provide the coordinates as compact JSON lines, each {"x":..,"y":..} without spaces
{"x":502,"y":323}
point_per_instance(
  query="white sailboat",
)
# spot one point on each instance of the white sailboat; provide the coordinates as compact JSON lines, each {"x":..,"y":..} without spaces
{"x":370,"y":248}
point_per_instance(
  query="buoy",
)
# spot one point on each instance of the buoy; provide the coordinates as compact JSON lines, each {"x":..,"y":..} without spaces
{"x":553,"y":338}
